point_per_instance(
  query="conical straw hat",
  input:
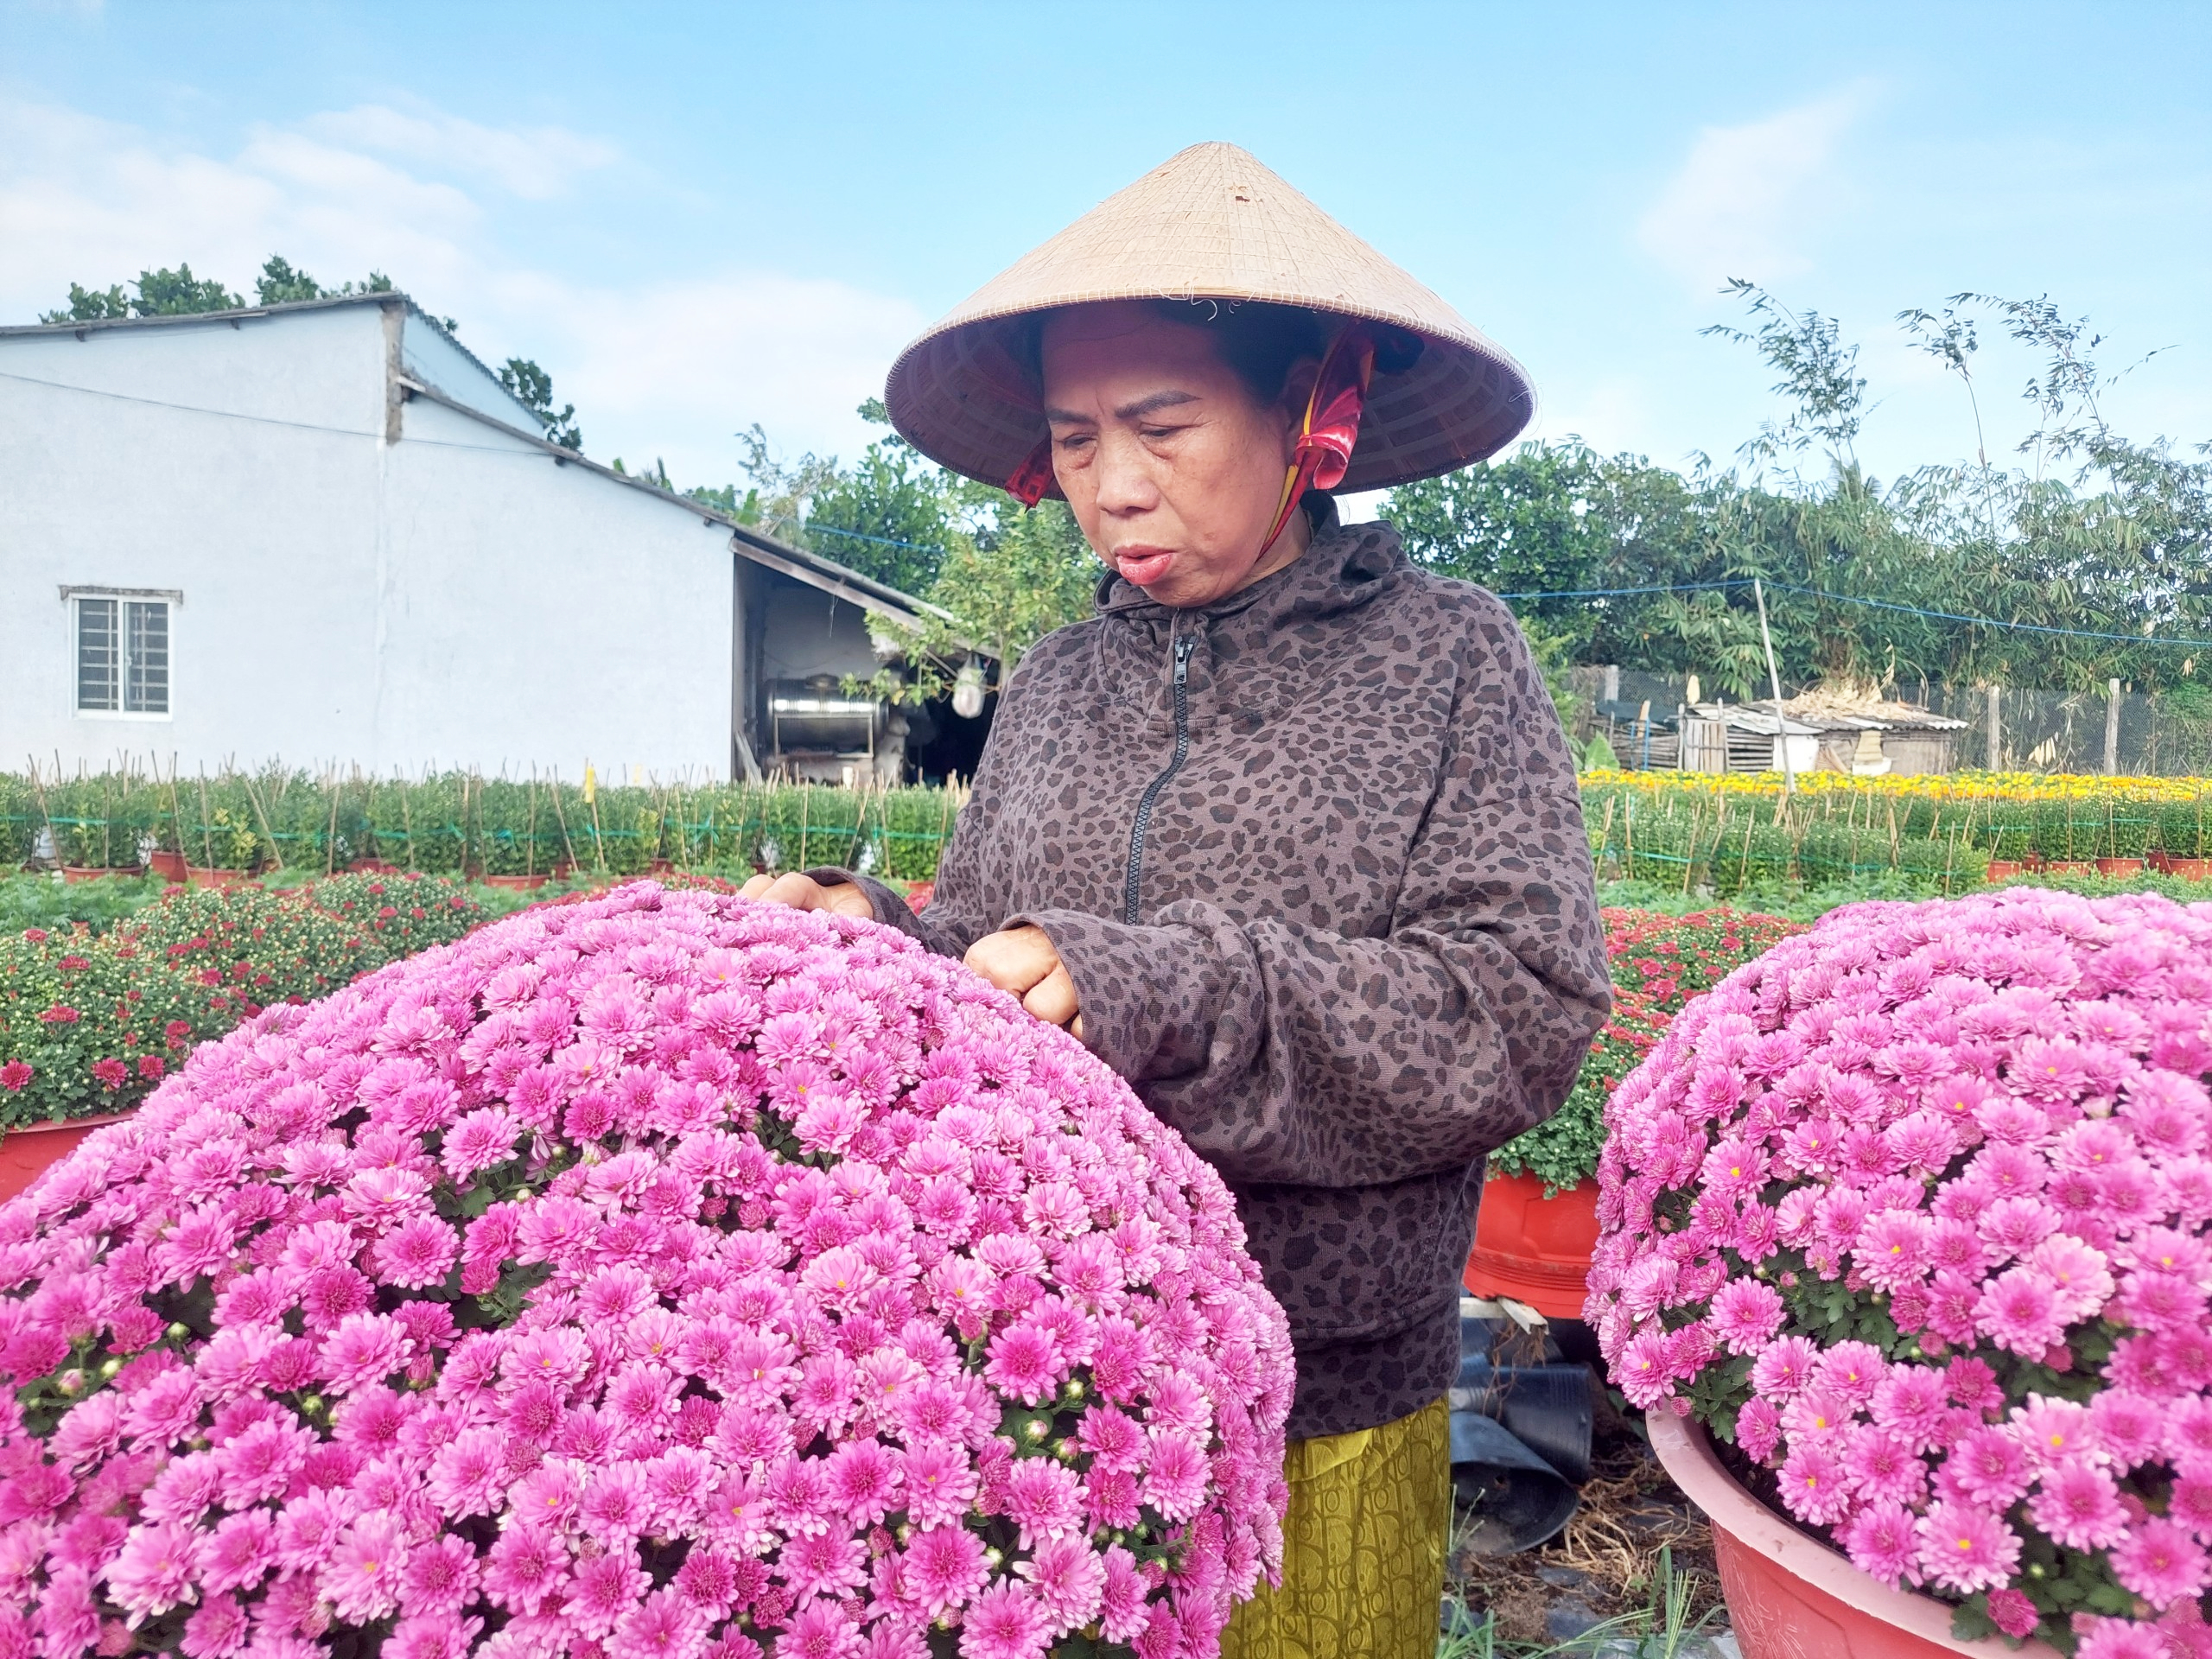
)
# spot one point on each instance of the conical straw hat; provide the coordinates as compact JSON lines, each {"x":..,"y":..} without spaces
{"x":1210,"y":222}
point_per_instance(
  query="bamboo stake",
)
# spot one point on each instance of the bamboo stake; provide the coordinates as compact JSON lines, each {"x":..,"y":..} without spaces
{"x":206,"y":841}
{"x":176,"y":812}
{"x":254,"y":798}
{"x":567,"y":845}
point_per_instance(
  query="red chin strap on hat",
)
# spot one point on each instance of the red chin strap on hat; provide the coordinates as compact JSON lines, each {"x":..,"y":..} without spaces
{"x":1035,"y":476}
{"x":1325,"y":436}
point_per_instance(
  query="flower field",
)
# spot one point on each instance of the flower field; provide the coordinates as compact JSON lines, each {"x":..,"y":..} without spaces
{"x":1658,"y":963}
{"x":1689,"y":832}
{"x":91,"y":1024}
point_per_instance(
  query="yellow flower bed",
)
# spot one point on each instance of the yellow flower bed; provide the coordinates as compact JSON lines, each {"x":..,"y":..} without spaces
{"x":1930,"y":786}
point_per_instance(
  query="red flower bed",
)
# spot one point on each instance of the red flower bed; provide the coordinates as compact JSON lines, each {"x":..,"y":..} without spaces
{"x":91,"y":1025}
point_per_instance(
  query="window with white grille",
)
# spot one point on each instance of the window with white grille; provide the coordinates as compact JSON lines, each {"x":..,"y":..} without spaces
{"x":123,"y":656}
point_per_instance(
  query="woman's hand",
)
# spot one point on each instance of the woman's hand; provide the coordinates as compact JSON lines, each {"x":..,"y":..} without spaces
{"x":804,"y":893}
{"x":1022,"y":960}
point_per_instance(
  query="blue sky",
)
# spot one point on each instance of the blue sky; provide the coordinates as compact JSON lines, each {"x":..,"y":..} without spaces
{"x":699,"y":217}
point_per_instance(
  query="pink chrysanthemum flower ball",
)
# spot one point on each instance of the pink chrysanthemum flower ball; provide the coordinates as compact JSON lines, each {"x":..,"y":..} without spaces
{"x":1915,"y":1212}
{"x":663,"y":1274}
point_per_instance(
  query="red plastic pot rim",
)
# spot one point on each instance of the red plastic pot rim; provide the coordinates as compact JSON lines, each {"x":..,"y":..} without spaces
{"x":49,"y":1126}
{"x":1687,"y":1455}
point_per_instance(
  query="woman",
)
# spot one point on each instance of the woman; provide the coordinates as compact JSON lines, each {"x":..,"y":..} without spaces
{"x":1287,"y":834}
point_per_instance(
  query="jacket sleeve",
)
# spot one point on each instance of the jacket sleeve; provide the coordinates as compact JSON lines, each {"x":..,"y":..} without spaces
{"x":1289,"y":1054}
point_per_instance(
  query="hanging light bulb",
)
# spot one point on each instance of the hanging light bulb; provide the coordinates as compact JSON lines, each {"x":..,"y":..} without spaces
{"x":967,"y":689}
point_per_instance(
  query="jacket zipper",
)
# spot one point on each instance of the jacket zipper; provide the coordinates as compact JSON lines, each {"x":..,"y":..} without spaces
{"x":1135,"y":885}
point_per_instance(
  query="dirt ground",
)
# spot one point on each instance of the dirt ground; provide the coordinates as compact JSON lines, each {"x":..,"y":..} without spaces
{"x":1606,"y":1563}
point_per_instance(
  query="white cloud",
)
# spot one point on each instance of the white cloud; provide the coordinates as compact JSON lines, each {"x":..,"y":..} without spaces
{"x":1744,"y":202}
{"x":535,"y":163}
{"x":674,"y":371}
{"x":1611,"y":414}
{"x":671,"y":369}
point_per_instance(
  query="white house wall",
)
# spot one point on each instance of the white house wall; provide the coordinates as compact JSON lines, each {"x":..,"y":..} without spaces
{"x":539,"y":614}
{"x":454,"y":599}
{"x":263,"y":515}
{"x":428,"y":355}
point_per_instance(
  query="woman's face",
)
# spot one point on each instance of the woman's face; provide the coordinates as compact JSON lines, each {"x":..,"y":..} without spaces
{"x":1174,"y":472}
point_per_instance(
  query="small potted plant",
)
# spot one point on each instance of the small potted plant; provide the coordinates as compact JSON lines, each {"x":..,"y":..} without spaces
{"x":2184,"y":843}
{"x":1905,"y":1251}
{"x":228,"y":839}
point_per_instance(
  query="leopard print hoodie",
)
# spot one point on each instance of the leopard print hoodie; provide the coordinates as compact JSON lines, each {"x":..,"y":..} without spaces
{"x":1314,"y":856}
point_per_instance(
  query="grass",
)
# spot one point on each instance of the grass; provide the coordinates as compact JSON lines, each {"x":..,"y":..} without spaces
{"x":1678,"y":1607}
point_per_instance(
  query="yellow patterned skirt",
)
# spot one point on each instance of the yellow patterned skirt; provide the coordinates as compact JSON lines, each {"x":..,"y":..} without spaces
{"x":1364,"y":1545}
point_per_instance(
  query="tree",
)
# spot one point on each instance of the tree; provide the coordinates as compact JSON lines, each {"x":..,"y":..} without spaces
{"x":533,"y":388}
{"x":280,"y":285}
{"x":887,"y":517}
{"x":1560,"y":520}
{"x":1016,"y":577}
{"x":160,"y":294}
{"x":179,"y":293}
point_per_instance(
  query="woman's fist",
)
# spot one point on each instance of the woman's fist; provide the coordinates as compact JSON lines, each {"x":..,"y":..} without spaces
{"x":1022,"y":960}
{"x":804,"y":893}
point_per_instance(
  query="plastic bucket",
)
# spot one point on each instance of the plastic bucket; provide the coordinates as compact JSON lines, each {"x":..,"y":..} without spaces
{"x":1534,"y":1248}
{"x":1789,"y":1595}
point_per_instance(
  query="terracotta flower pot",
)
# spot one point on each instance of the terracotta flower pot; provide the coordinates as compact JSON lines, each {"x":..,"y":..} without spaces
{"x":516,"y":883}
{"x":170,"y":867}
{"x":199,"y":876}
{"x":1790,"y":1596}
{"x":2190,"y":869}
{"x":1534,"y":1248}
{"x":2071,"y":866}
{"x":77,"y":873}
{"x":28,"y":1151}
{"x":2001,"y":869}
{"x":2119,"y":867}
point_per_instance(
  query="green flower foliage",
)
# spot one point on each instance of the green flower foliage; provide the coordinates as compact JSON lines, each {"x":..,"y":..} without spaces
{"x":1658,"y":962}
{"x":90,"y":1023}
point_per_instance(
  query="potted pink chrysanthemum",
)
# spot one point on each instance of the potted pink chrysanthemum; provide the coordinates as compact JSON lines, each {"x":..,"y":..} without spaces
{"x":1905,"y":1252}
{"x":659,"y":1273}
